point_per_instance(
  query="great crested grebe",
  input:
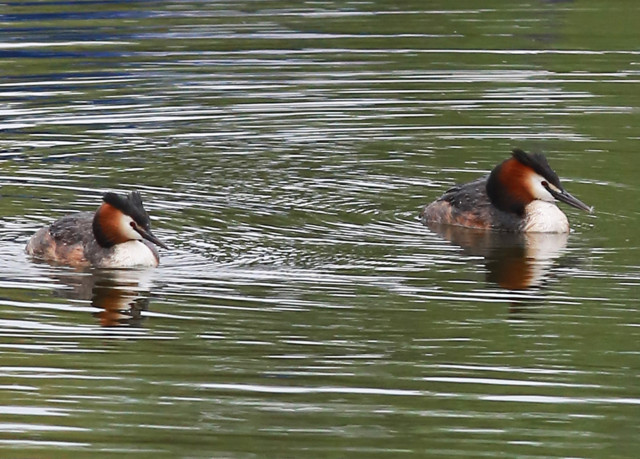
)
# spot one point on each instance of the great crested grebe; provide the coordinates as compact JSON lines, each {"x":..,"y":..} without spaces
{"x":115,"y":236}
{"x":518,"y":195}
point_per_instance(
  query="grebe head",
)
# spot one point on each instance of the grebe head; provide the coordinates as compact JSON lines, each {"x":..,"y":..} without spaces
{"x":523,"y":178}
{"x":122,"y":218}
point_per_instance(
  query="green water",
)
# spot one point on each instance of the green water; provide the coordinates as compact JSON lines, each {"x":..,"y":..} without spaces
{"x":284,"y":151}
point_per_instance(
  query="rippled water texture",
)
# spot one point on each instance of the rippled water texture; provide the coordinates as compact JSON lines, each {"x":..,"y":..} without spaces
{"x":284,"y":151}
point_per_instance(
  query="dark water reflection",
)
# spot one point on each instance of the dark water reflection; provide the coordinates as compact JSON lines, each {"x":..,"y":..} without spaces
{"x":513,"y":261}
{"x":119,"y":296}
{"x":284,"y":152}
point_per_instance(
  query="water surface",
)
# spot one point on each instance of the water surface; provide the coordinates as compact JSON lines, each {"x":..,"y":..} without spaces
{"x":284,"y":151}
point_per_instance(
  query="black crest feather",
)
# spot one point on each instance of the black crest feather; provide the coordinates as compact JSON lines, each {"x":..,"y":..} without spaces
{"x":130,"y":204}
{"x":537,"y":162}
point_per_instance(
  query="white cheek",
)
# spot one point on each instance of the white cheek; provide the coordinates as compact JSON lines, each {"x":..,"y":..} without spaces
{"x":538,"y":191}
{"x":126,"y":229}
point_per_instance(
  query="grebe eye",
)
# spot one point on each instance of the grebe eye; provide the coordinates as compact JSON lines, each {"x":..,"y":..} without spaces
{"x":545,"y":184}
{"x":133,"y":224}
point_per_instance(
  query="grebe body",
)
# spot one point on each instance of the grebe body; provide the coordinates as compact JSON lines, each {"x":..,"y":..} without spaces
{"x":518,"y":196}
{"x":117,"y":235}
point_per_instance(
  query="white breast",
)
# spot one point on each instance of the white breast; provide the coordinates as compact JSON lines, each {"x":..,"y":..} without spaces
{"x":544,"y":217}
{"x":130,"y":254}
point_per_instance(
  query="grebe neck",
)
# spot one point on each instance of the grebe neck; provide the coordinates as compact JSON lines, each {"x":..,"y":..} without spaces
{"x":506,"y":187}
{"x":107,"y":226}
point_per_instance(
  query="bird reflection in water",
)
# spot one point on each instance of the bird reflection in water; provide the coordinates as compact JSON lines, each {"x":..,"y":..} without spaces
{"x":514,"y":261}
{"x":119,"y":295}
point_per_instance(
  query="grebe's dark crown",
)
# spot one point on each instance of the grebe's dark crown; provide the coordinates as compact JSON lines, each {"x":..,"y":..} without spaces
{"x":130,"y":205}
{"x":537,"y":162}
